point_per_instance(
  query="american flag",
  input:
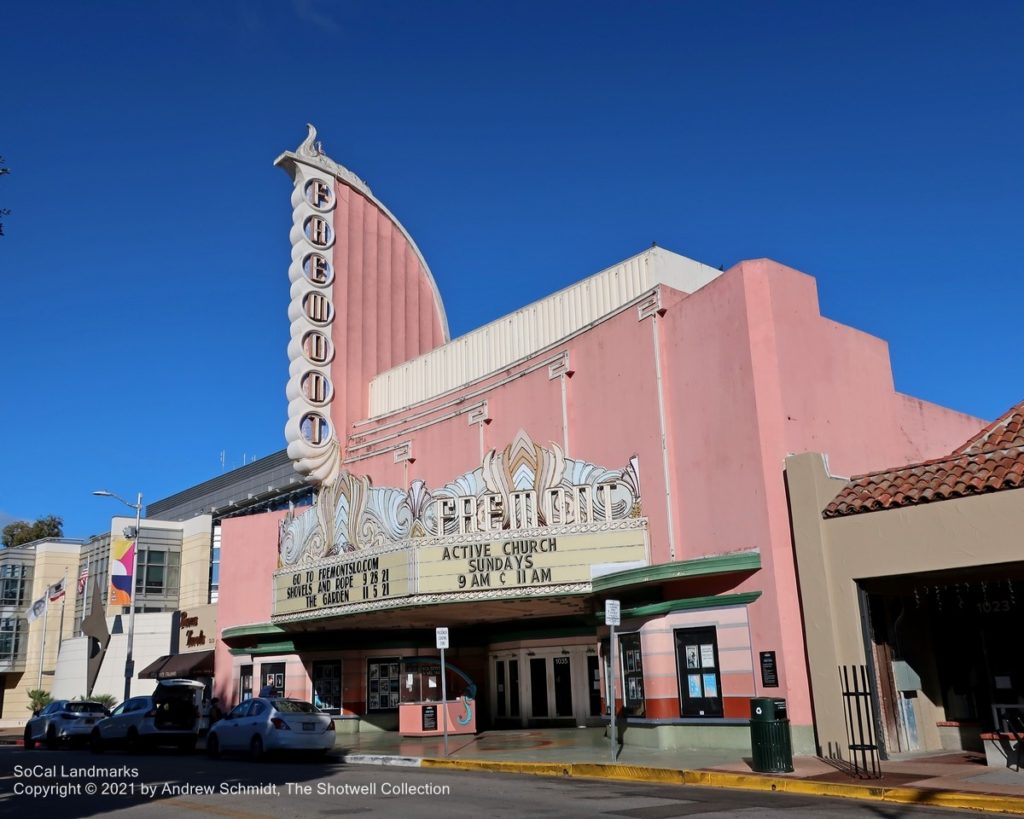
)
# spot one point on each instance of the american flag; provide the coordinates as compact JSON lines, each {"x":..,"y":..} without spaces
{"x":83,"y":578}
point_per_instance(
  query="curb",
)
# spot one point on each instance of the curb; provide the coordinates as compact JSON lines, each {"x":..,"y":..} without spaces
{"x":381,"y":759}
{"x":985,"y":802}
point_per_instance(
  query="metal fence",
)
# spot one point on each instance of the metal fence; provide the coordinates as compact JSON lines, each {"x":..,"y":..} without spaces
{"x":862,"y":745}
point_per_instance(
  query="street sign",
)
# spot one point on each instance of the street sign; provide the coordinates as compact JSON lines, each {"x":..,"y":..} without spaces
{"x":441,"y":633}
{"x":612,"y":618}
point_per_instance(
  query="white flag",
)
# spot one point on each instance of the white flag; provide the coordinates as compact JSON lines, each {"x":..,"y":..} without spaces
{"x":57,"y":590}
{"x":36,"y":610}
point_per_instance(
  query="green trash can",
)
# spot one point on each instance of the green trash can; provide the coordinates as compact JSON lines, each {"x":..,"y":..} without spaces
{"x":769,"y":736}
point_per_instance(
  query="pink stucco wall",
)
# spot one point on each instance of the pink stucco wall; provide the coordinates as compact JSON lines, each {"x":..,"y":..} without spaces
{"x":750,"y":372}
{"x":248,"y":557}
{"x":386,"y":311}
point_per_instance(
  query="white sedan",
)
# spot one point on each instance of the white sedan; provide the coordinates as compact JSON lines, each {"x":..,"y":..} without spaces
{"x":264,"y":724}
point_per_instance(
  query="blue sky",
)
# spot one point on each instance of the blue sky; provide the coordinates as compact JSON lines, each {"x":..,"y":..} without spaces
{"x":523,"y":145}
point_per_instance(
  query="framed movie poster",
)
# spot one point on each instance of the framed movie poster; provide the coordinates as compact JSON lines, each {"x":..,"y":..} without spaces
{"x":632,"y":670}
{"x":382,"y":683}
{"x":700,"y":689}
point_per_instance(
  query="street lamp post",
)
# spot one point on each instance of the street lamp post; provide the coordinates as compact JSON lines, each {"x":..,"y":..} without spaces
{"x":129,"y":664}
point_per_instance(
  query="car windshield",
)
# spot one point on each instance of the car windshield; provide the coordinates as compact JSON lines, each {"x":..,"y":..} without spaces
{"x":294,"y":707}
{"x":85,"y":708}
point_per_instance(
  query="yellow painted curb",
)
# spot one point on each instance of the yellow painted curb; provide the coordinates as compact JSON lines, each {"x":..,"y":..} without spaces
{"x":989,"y":803}
{"x":534,"y":768}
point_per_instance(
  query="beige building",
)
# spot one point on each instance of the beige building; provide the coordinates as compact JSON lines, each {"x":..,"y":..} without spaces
{"x":172,"y":572}
{"x":913,"y":574}
{"x":28,"y":650}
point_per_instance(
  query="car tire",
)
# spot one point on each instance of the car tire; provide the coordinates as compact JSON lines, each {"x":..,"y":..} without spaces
{"x":51,"y":738}
{"x":256,"y":749}
{"x":30,"y":743}
{"x":187,"y":745}
{"x":132,"y":742}
{"x":212,"y":746}
{"x":96,"y":742}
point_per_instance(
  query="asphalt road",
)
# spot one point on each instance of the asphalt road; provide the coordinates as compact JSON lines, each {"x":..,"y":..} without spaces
{"x":70,"y":783}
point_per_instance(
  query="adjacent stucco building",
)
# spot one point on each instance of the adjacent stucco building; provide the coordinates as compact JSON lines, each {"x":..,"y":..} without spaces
{"x":913,"y":572}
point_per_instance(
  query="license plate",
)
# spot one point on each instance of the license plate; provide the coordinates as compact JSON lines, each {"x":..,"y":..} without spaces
{"x":308,"y":726}
{"x":90,"y":721}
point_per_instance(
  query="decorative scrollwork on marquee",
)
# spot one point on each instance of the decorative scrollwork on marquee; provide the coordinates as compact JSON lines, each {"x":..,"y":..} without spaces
{"x":525,"y":486}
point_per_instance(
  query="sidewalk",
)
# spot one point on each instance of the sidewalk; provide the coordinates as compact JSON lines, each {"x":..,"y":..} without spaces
{"x":951,"y":780}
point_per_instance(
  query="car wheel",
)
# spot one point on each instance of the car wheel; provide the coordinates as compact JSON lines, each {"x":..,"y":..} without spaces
{"x":212,"y":747}
{"x":256,"y":749}
{"x":51,"y":738}
{"x":30,"y":743}
{"x":132,"y":743}
{"x":96,"y":742}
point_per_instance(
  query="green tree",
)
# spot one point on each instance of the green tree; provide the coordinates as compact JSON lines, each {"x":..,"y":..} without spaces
{"x":14,"y":534}
{"x":38,"y":699}
{"x":108,"y":701}
{"x":4,"y":170}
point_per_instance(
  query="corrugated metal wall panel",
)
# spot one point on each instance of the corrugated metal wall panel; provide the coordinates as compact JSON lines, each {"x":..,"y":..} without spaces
{"x":534,"y":327}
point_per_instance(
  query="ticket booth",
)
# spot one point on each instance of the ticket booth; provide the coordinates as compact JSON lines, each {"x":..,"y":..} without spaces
{"x":420,"y":709}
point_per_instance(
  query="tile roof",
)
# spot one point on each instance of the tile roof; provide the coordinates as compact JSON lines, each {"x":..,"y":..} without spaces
{"x":991,"y":461}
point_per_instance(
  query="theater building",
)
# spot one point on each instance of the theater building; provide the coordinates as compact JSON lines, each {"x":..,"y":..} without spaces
{"x":622,"y":439}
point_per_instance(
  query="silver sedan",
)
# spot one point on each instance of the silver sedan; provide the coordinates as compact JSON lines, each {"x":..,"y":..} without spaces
{"x":63,"y":720}
{"x":266,"y":724}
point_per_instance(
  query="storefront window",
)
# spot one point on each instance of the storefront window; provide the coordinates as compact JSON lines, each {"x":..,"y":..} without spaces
{"x":327,"y":685}
{"x":382,"y":678}
{"x":245,"y":683}
{"x":272,"y":675}
{"x":631,"y":658}
{"x":700,"y":690}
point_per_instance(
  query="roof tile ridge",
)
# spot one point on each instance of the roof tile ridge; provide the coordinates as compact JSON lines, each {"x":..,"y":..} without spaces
{"x":956,"y":456}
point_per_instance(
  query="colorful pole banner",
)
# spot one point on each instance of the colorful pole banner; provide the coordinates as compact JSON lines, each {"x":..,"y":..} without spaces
{"x":122,"y":570}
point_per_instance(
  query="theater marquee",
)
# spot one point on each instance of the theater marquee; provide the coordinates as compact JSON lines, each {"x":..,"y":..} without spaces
{"x":528,"y":520}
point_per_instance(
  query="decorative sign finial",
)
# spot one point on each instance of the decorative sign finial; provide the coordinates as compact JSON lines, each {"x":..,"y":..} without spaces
{"x":311,"y":146}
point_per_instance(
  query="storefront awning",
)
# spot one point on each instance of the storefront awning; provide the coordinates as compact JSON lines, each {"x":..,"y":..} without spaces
{"x":193,"y":664}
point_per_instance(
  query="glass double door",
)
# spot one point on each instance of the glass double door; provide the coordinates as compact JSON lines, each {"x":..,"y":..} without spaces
{"x":532,"y":687}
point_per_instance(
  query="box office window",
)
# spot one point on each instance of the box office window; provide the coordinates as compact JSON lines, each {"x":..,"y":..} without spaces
{"x":327,"y":685}
{"x":421,"y":681}
{"x":700,"y":689}
{"x":632,"y":661}
{"x":382,"y":676}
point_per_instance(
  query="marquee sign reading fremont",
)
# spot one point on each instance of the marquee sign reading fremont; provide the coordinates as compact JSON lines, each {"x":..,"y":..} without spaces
{"x":528,"y":520}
